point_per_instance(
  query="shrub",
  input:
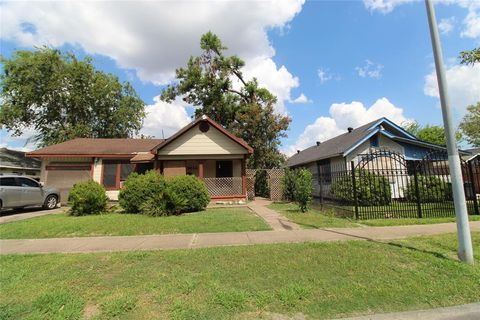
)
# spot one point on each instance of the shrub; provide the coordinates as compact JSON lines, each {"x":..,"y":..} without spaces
{"x":87,"y":198}
{"x":186,"y":194}
{"x":262,"y":188}
{"x":139,"y":188}
{"x":430,"y":189}
{"x":303,"y":189}
{"x":372,"y":189}
{"x":288,"y":184}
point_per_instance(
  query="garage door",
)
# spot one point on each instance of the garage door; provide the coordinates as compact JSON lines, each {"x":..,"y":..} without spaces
{"x":64,"y":178}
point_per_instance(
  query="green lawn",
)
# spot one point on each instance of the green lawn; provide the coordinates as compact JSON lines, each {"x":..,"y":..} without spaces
{"x":314,"y":218}
{"x":319,"y":280}
{"x":317,"y":218}
{"x":62,"y":225}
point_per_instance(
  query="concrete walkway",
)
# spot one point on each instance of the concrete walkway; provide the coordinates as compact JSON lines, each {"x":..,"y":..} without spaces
{"x":276,"y":221}
{"x":28,"y":214}
{"x":464,"y":312}
{"x":205,"y":240}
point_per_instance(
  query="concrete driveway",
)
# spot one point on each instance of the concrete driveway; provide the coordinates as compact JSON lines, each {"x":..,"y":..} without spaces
{"x":27,"y":213}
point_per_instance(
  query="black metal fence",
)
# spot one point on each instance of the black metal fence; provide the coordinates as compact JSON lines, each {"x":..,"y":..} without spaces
{"x":383,"y":184}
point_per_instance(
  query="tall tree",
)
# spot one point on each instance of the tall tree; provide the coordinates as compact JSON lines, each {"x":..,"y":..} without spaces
{"x":215,"y":84}
{"x":470,"y":56}
{"x":61,"y":98}
{"x":470,"y":125}
{"x":428,"y":133}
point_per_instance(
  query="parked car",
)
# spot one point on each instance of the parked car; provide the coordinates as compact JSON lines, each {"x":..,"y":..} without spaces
{"x":18,"y":192}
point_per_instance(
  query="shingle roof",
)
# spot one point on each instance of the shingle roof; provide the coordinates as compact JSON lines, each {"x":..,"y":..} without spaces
{"x":16,"y":159}
{"x":87,"y":146}
{"x":333,"y":147}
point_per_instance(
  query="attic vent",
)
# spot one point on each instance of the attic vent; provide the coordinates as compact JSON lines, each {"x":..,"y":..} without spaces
{"x":350,"y":129}
{"x":318,"y":143}
{"x":204,"y":126}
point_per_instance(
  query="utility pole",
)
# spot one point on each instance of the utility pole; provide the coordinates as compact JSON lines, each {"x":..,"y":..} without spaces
{"x":465,"y":251}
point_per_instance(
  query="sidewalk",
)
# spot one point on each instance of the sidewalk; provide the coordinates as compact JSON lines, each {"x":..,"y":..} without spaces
{"x":464,"y":312}
{"x":276,"y":221}
{"x":207,"y":240}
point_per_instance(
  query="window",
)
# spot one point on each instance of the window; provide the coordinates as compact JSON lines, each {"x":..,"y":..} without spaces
{"x":115,"y":172}
{"x":374,"y":142}
{"x":8,"y":182}
{"x":23,"y":182}
{"x":324,"y":170}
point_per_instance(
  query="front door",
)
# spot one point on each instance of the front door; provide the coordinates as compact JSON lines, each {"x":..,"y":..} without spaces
{"x":224,"y":169}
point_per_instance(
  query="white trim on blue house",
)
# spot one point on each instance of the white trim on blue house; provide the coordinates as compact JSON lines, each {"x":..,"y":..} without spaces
{"x":364,"y":139}
{"x":397,"y":127}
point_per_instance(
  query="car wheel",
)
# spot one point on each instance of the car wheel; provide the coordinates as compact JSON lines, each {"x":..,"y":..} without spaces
{"x":50,"y":202}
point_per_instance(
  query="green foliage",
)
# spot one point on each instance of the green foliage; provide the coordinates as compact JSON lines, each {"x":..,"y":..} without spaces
{"x":288,"y":184}
{"x":430,"y":189}
{"x":207,"y":83}
{"x":470,"y":56}
{"x":428,"y":133}
{"x":187,"y":194}
{"x":372,"y":189}
{"x":152,"y":194}
{"x":62,"y":98}
{"x":138,"y":188}
{"x":261,"y":184}
{"x":87,"y":198}
{"x":470,"y":124}
{"x":303,"y":189}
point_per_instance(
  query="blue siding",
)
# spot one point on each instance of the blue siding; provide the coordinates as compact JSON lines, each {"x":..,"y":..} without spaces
{"x":413,"y":152}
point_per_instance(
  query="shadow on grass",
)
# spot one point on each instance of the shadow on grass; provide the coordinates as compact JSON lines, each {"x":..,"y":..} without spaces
{"x":395,"y":244}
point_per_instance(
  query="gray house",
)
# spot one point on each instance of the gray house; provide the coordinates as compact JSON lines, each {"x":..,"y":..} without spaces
{"x":334,"y":156}
{"x":15,"y":162}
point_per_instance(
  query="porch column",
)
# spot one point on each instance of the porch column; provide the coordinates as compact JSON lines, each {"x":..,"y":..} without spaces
{"x":244,"y":176}
{"x":200,"y":169}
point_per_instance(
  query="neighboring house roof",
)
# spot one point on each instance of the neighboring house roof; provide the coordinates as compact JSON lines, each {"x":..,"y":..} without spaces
{"x":192,"y":124}
{"x":345,"y":143}
{"x":93,"y":147}
{"x":14,"y":159}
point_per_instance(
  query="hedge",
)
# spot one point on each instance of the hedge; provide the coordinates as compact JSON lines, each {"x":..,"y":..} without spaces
{"x":372,"y":189}
{"x":430,"y":189}
{"x":138,"y":188}
{"x":87,"y":198}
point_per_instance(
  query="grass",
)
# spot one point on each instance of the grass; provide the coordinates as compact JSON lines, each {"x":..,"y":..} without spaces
{"x":314,"y":218}
{"x":317,"y":218}
{"x":319,"y":280}
{"x":62,"y":225}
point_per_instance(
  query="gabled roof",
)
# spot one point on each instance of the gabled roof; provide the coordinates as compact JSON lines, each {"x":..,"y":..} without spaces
{"x":344,"y":144}
{"x":16,"y":159}
{"x":192,"y":124}
{"x":90,"y":147}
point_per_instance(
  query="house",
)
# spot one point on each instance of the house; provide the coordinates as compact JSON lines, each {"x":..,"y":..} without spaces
{"x":333,"y":158}
{"x":202,"y":148}
{"x":15,"y":162}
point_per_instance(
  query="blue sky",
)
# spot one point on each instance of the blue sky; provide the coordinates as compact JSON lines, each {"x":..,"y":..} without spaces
{"x":332,"y":64}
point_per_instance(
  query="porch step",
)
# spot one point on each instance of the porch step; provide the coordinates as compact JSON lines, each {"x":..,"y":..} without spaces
{"x":227,"y":203}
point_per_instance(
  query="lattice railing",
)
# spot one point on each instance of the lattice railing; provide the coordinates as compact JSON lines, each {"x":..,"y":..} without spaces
{"x":223,"y":186}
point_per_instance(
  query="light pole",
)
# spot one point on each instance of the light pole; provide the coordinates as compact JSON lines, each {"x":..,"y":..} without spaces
{"x":465,"y":251}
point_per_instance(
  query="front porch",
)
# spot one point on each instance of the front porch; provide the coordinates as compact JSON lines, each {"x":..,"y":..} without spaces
{"x":225,"y":179}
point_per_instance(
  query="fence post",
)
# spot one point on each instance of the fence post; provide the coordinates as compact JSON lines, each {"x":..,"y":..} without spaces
{"x":354,"y":183}
{"x":417,"y":193}
{"x":472,"y":182}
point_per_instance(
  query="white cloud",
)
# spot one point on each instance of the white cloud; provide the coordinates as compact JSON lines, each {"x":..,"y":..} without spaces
{"x":463,"y":85}
{"x":342,"y":116}
{"x":370,"y":69}
{"x":301,"y":99}
{"x":163,"y":119}
{"x":155,"y":37}
{"x":471,"y":22}
{"x":325,"y":75}
{"x":279,"y":81}
{"x":22,"y":143}
{"x":446,"y":25}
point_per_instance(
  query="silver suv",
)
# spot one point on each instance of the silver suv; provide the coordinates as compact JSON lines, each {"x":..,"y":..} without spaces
{"x":18,"y":192}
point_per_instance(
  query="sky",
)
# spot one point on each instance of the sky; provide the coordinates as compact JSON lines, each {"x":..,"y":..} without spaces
{"x":331,"y":64}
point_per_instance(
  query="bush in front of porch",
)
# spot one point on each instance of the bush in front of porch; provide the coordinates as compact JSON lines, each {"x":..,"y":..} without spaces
{"x":152,"y":194}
